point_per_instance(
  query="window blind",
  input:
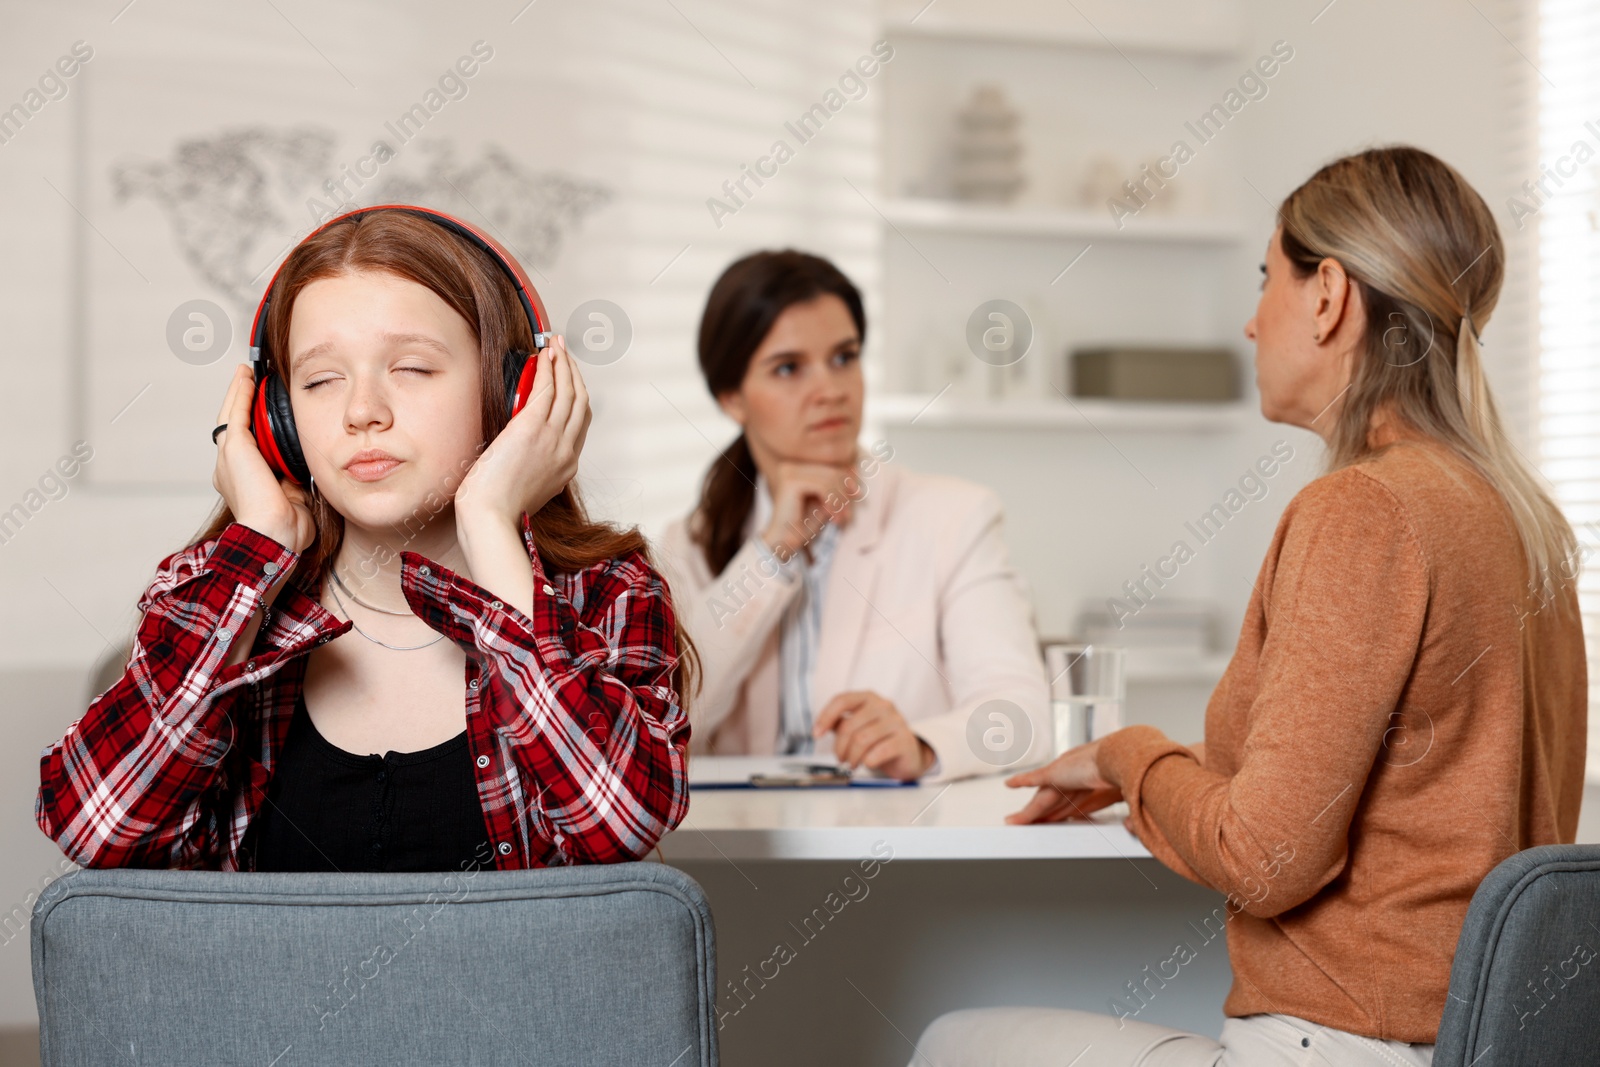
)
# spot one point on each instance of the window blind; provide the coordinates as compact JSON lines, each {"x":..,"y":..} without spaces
{"x":1556,"y":201}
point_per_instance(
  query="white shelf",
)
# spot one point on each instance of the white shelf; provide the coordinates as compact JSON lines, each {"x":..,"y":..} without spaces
{"x":986,"y":220}
{"x":930,"y":411}
{"x":972,"y":31}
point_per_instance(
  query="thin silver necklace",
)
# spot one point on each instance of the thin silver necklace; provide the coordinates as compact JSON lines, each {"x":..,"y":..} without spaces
{"x":374,"y":640}
{"x":370,"y":607}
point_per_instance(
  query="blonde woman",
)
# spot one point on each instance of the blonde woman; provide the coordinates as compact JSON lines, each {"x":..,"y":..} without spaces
{"x":1406,"y":705}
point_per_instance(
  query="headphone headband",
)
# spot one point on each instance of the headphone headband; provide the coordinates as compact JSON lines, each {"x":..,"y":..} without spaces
{"x":527,"y":295}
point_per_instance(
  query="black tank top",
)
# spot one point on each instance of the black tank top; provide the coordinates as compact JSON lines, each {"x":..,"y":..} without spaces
{"x":331,"y":810}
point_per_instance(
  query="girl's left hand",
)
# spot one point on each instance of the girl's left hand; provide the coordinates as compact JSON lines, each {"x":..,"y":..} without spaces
{"x":1070,"y":787}
{"x":536,"y":454}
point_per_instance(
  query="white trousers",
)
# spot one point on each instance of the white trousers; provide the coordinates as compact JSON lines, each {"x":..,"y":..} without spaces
{"x":1058,"y":1037}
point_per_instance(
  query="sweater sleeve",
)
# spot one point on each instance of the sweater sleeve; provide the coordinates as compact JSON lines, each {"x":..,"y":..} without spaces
{"x":1343,"y":608}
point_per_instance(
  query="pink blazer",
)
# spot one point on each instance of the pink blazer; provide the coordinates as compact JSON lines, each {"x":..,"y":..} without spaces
{"x":921,"y":607}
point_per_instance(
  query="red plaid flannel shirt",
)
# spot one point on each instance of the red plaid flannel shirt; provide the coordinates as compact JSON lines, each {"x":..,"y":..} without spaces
{"x":577,"y":734}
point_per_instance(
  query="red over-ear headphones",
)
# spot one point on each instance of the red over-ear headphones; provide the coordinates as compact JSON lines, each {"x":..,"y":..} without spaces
{"x":271,"y":417}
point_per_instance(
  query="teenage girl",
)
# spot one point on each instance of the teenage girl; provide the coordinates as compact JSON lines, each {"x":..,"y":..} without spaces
{"x":399,"y":644}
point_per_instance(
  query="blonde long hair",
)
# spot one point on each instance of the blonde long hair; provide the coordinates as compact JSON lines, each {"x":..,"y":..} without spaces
{"x":1424,"y":250}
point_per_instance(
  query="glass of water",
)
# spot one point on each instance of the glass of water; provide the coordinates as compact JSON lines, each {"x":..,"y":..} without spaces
{"x":1086,"y":692}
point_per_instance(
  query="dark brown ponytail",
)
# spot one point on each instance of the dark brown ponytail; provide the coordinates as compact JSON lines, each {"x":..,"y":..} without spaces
{"x":743,"y":305}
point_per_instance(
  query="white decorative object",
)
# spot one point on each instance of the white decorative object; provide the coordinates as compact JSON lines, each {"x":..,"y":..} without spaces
{"x":988,"y":148}
{"x":1102,"y":179}
{"x":1162,"y":192}
{"x":1138,"y":186}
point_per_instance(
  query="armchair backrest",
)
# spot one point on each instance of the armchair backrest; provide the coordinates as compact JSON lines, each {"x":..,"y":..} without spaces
{"x":599,"y":965}
{"x":1525,"y":984}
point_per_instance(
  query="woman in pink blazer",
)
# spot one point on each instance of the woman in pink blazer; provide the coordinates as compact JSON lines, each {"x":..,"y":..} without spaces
{"x":842,"y":605}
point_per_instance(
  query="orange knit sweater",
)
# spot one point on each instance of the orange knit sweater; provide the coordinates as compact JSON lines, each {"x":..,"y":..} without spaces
{"x":1395,"y":721}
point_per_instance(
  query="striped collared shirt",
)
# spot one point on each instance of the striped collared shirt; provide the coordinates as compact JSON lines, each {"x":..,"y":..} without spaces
{"x":799,"y":632}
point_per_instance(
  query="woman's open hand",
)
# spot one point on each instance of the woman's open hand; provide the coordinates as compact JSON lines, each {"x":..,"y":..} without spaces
{"x":253,"y":492}
{"x":1070,"y":787}
{"x":536,"y":454}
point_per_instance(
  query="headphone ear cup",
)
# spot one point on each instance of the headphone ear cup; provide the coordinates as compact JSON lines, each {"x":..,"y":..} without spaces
{"x":518,"y":374}
{"x":285,"y":438}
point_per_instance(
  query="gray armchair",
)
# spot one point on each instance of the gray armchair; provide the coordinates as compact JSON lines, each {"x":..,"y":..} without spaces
{"x":609,"y":965}
{"x":1525,"y":985}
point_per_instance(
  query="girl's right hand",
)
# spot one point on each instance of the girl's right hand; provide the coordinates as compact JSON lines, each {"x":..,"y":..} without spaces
{"x":800,"y":495}
{"x":280,"y":510}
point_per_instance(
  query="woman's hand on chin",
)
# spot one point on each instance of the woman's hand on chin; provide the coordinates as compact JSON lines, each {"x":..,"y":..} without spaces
{"x":1069,"y":787}
{"x":534,"y":457}
{"x":804,"y":497}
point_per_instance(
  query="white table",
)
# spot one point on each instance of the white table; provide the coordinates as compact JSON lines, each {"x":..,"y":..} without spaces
{"x":954,"y":821}
{"x":969,"y":912}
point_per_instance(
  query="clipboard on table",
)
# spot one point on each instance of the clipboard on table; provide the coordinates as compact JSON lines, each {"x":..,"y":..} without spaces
{"x":781,"y":772}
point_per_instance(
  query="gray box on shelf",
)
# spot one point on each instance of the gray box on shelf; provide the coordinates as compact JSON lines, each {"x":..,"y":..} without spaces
{"x":1176,"y":373}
